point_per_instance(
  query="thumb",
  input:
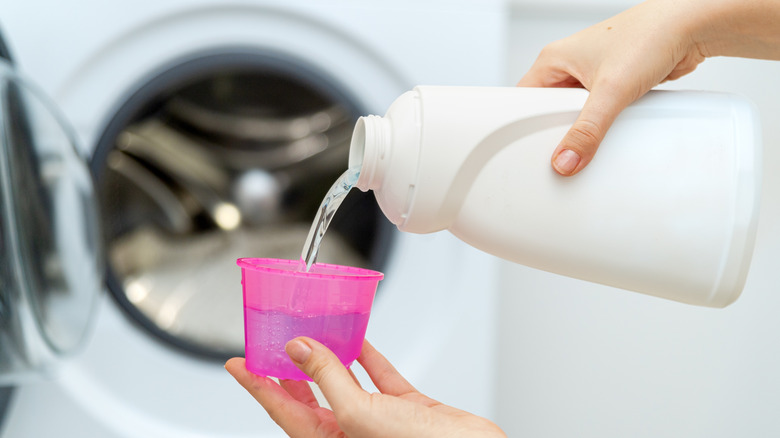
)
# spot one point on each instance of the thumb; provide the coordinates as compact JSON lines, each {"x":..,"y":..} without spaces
{"x":580,"y":143}
{"x":327,"y":371}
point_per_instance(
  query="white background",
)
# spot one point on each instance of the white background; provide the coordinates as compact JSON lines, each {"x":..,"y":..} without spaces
{"x":581,"y":360}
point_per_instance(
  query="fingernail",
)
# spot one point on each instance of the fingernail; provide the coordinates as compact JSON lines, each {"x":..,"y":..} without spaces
{"x":566,"y":161}
{"x":298,"y":351}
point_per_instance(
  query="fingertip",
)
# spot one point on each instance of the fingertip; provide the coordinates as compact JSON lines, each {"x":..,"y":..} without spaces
{"x":252,"y":382}
{"x":235,"y":364}
{"x":566,"y":161}
{"x":298,"y":350}
{"x":291,"y":407}
{"x":529,"y":80}
{"x":523,"y":82}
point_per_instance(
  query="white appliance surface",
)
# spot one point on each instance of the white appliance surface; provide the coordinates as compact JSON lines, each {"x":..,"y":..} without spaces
{"x":434,"y":316}
{"x":579,"y":359}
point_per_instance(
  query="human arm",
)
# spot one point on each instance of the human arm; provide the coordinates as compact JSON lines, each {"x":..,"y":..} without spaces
{"x":399,"y":410}
{"x":623,"y":57}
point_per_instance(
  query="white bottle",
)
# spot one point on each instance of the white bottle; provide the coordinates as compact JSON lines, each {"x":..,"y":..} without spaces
{"x":668,"y":207}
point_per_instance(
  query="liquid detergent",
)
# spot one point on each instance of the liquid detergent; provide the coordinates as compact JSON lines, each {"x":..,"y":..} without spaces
{"x":333,"y":199}
{"x":342,"y":333}
{"x":668,"y":206}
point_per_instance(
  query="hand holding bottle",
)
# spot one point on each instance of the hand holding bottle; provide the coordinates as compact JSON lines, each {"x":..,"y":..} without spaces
{"x":623,"y":57}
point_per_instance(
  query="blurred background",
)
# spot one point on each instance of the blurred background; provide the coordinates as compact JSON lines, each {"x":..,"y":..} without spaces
{"x":578,"y":359}
{"x":212,"y":130}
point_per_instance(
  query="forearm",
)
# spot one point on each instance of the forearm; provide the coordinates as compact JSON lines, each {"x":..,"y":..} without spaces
{"x":743,"y":28}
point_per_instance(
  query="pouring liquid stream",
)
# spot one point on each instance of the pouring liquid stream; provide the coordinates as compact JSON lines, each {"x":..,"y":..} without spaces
{"x":333,"y":199}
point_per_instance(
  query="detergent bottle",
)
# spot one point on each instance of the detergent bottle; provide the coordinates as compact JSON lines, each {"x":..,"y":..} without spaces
{"x":668,"y":206}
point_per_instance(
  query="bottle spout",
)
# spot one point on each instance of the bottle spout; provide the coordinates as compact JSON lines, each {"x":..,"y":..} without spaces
{"x":370,"y":139}
{"x":358,"y":144}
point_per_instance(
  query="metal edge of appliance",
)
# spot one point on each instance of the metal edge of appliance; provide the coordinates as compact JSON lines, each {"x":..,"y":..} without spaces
{"x":6,"y":392}
{"x":174,"y":73}
{"x":6,"y":395}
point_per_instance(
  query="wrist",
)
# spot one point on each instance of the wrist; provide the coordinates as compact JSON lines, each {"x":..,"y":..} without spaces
{"x":743,"y":28}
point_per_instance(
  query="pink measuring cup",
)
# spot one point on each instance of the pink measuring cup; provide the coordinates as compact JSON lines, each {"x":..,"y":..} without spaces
{"x":329,"y":303}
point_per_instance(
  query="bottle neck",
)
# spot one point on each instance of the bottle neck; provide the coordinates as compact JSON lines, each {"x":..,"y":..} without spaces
{"x":370,"y":143}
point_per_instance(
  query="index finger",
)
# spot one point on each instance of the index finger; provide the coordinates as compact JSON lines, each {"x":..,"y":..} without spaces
{"x":549,"y":77}
{"x":295,"y":417}
{"x":384,"y":375}
{"x":337,"y":384}
{"x":586,"y":134}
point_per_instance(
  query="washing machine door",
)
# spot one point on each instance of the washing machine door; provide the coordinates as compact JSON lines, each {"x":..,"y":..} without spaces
{"x":50,"y":257}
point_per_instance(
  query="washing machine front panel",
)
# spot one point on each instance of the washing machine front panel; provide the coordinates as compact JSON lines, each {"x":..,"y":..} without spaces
{"x":434,"y":300}
{"x":376,"y":49}
{"x":142,"y":47}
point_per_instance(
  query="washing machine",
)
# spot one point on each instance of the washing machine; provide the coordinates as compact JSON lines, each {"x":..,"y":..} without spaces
{"x":211,"y":130}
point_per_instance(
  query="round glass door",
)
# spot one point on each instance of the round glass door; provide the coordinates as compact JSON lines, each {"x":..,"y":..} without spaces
{"x":50,"y":271}
{"x":223,"y":155}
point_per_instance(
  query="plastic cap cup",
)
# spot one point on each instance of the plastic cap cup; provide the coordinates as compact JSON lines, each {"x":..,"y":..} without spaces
{"x":328,"y":303}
